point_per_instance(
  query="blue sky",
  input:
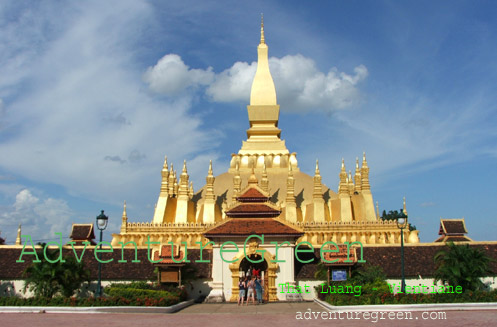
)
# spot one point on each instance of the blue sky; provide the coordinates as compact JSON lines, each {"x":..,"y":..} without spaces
{"x":93,"y":94}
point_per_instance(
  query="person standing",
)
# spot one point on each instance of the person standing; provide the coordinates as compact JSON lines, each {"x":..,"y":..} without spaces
{"x":251,"y":291}
{"x":258,"y":290}
{"x":241,"y":290}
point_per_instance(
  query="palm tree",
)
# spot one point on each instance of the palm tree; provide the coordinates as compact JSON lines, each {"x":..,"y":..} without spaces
{"x":41,"y":278}
{"x":46,"y":279}
{"x":462,"y":265}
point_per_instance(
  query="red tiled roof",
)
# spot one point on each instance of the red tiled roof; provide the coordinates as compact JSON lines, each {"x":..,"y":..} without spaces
{"x":82,"y":232}
{"x":450,"y":226}
{"x":341,"y":256}
{"x":244,"y":226}
{"x":165,"y":254}
{"x":253,"y":210}
{"x":252,"y":194}
{"x":453,"y":238}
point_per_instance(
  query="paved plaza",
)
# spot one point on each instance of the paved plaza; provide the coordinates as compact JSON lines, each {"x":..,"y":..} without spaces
{"x":228,"y":314}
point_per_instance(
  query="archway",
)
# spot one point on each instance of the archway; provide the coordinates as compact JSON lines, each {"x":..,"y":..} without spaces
{"x":271,"y":267}
{"x":247,"y":268}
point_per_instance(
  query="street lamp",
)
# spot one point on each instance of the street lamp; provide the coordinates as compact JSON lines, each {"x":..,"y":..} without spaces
{"x":402,"y":224}
{"x":101,"y":225}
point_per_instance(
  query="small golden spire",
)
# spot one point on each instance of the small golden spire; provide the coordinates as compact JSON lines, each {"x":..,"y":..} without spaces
{"x":252,"y":178}
{"x":124,"y":220}
{"x":263,"y":41}
{"x":356,"y":163}
{"x":165,"y":163}
{"x":210,"y":167}
{"x":404,"y":205}
{"x":343,"y":164}
{"x":18,"y":238}
{"x":364,"y":161}
{"x":184,"y":166}
{"x":125,"y":214}
{"x":316,"y":172}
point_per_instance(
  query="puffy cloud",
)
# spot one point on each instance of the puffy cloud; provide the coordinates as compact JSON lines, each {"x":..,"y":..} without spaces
{"x":77,"y":115}
{"x":299,"y":84}
{"x":233,"y":84}
{"x":40,"y":217}
{"x":171,"y":76}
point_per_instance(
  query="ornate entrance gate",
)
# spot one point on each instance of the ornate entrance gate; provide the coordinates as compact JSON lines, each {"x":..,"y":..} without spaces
{"x":266,"y":265}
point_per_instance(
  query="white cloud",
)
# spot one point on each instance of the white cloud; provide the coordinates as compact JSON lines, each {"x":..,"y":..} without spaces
{"x":40,"y":218}
{"x":300,"y":86}
{"x":233,"y":84}
{"x":81,"y":119}
{"x":170,"y":75}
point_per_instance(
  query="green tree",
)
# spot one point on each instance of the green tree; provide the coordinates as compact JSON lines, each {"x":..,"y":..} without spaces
{"x":369,"y":274}
{"x":47,"y":279}
{"x":462,"y":265}
{"x":72,"y":274}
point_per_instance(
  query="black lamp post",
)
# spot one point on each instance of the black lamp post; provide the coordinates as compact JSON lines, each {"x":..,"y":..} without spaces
{"x":101,"y":225}
{"x":402,"y":224}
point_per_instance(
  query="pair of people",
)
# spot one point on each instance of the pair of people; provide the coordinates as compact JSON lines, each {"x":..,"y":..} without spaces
{"x":253,"y":286}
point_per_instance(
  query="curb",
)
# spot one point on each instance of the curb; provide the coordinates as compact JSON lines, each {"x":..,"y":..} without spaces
{"x":113,"y":309}
{"x":411,"y":307}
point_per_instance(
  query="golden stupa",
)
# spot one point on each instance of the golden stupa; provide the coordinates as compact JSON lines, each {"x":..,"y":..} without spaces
{"x":348,"y":215}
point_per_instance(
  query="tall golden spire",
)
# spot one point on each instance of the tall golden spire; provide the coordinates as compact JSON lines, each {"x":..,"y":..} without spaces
{"x":164,"y":188}
{"x":263,"y":136}
{"x":263,"y":41}
{"x":237,"y":183}
{"x":365,"y":174}
{"x":290,"y":186}
{"x":18,"y":238}
{"x":317,"y":193}
{"x":124,"y":219}
{"x":264,"y":179}
{"x":342,"y":186}
{"x":263,"y":91}
{"x":357,"y":176}
{"x":209,"y":186}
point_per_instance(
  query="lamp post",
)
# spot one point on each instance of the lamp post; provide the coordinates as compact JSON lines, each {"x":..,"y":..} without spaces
{"x":101,"y":225}
{"x":402,"y":224}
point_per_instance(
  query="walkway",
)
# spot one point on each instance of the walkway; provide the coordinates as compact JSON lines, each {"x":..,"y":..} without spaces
{"x":228,"y":314}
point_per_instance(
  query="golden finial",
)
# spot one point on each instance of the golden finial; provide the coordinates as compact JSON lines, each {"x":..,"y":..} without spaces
{"x":165,"y":163}
{"x":172,"y":169}
{"x":210,"y":167}
{"x":343,"y":164}
{"x":263,"y":41}
{"x":356,"y":163}
{"x":404,"y":205}
{"x":18,"y":238}
{"x":317,"y":167}
{"x":184,"y":166}
{"x":252,"y":178}
{"x":125,"y":214}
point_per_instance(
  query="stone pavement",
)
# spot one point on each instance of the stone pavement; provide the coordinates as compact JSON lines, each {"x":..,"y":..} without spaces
{"x":228,"y":314}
